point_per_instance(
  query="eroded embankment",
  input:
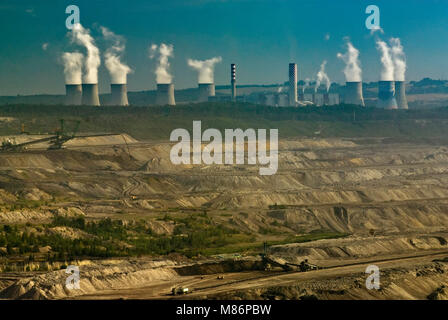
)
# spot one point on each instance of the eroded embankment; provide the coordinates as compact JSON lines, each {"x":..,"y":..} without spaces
{"x":94,"y":277}
{"x":358,"y":247}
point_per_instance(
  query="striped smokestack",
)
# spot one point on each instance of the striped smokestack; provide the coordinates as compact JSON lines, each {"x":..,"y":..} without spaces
{"x":119,"y":95}
{"x":233,"y":80}
{"x":353,"y":93}
{"x":386,"y":95}
{"x":90,"y":95}
{"x":165,"y":94}
{"x":292,"y":84}
{"x":73,"y":94}
{"x":400,"y":94}
{"x":205,"y":90}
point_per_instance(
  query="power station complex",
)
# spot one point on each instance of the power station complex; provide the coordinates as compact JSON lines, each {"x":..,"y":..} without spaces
{"x":391,"y":94}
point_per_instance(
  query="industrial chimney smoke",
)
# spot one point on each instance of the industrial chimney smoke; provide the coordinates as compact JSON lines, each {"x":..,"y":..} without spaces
{"x":353,"y":93}
{"x":400,"y":94}
{"x":119,"y":95}
{"x":165,"y":94}
{"x":386,"y":95}
{"x":233,"y":80}
{"x":90,"y":95}
{"x":205,"y":90}
{"x":73,"y":94}
{"x":293,"y":84}
{"x":73,"y":77}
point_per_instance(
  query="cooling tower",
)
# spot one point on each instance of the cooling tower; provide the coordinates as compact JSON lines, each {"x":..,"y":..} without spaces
{"x":73,"y":94}
{"x":165,"y":94}
{"x":233,"y":80}
{"x":90,"y":94}
{"x":353,"y":94}
{"x":205,"y":90}
{"x":301,"y":97}
{"x":386,"y":95}
{"x":400,"y":94}
{"x":292,"y":84}
{"x":119,"y":95}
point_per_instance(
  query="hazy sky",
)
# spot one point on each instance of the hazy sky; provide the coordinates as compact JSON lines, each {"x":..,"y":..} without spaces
{"x":261,"y":36}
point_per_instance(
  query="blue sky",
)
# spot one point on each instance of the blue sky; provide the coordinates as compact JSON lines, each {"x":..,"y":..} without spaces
{"x":261,"y":36}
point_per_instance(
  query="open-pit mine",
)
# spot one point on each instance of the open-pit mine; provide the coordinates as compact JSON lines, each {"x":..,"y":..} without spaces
{"x":139,"y":227}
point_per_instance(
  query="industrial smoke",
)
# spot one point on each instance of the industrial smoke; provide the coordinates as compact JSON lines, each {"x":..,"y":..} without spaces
{"x":399,"y":59}
{"x":72,"y":67}
{"x":322,"y":77}
{"x":352,"y":70}
{"x":82,"y":37}
{"x":205,"y":68}
{"x":163,"y":51}
{"x":306,"y":85}
{"x":388,"y":69}
{"x":117,"y":69}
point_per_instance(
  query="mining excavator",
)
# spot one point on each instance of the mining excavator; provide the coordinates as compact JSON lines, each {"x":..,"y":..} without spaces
{"x":269,"y":263}
{"x":56,"y":140}
{"x":303,"y":266}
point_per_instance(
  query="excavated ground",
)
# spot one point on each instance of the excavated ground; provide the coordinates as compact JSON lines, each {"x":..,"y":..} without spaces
{"x":391,"y":198}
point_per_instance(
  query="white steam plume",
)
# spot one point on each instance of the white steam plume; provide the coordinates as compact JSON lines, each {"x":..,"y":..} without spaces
{"x":72,"y":67}
{"x":399,"y":59}
{"x":118,"y":70}
{"x":352,"y":70}
{"x":164,"y":51}
{"x":322,"y":77}
{"x":306,"y":85}
{"x":388,"y":69}
{"x":82,"y":37}
{"x":205,"y":68}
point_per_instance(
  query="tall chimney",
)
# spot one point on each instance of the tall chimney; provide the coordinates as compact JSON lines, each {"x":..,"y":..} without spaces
{"x":90,"y":95}
{"x":205,"y":90}
{"x":119,"y":95}
{"x":233,"y":80}
{"x":165,"y":94}
{"x":386,"y":95}
{"x":353,"y":94}
{"x":73,"y":94}
{"x":400,"y":94}
{"x":292,"y":84}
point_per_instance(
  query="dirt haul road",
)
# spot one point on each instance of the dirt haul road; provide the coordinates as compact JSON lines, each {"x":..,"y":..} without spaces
{"x":233,"y":284}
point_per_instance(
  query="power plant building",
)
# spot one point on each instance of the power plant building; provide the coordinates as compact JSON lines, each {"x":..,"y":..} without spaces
{"x":119,"y":95}
{"x":400,"y":94}
{"x":165,"y":94}
{"x":386,"y":95}
{"x":353,"y":93}
{"x":73,"y":94}
{"x":90,"y":95}
{"x":205,"y":91}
